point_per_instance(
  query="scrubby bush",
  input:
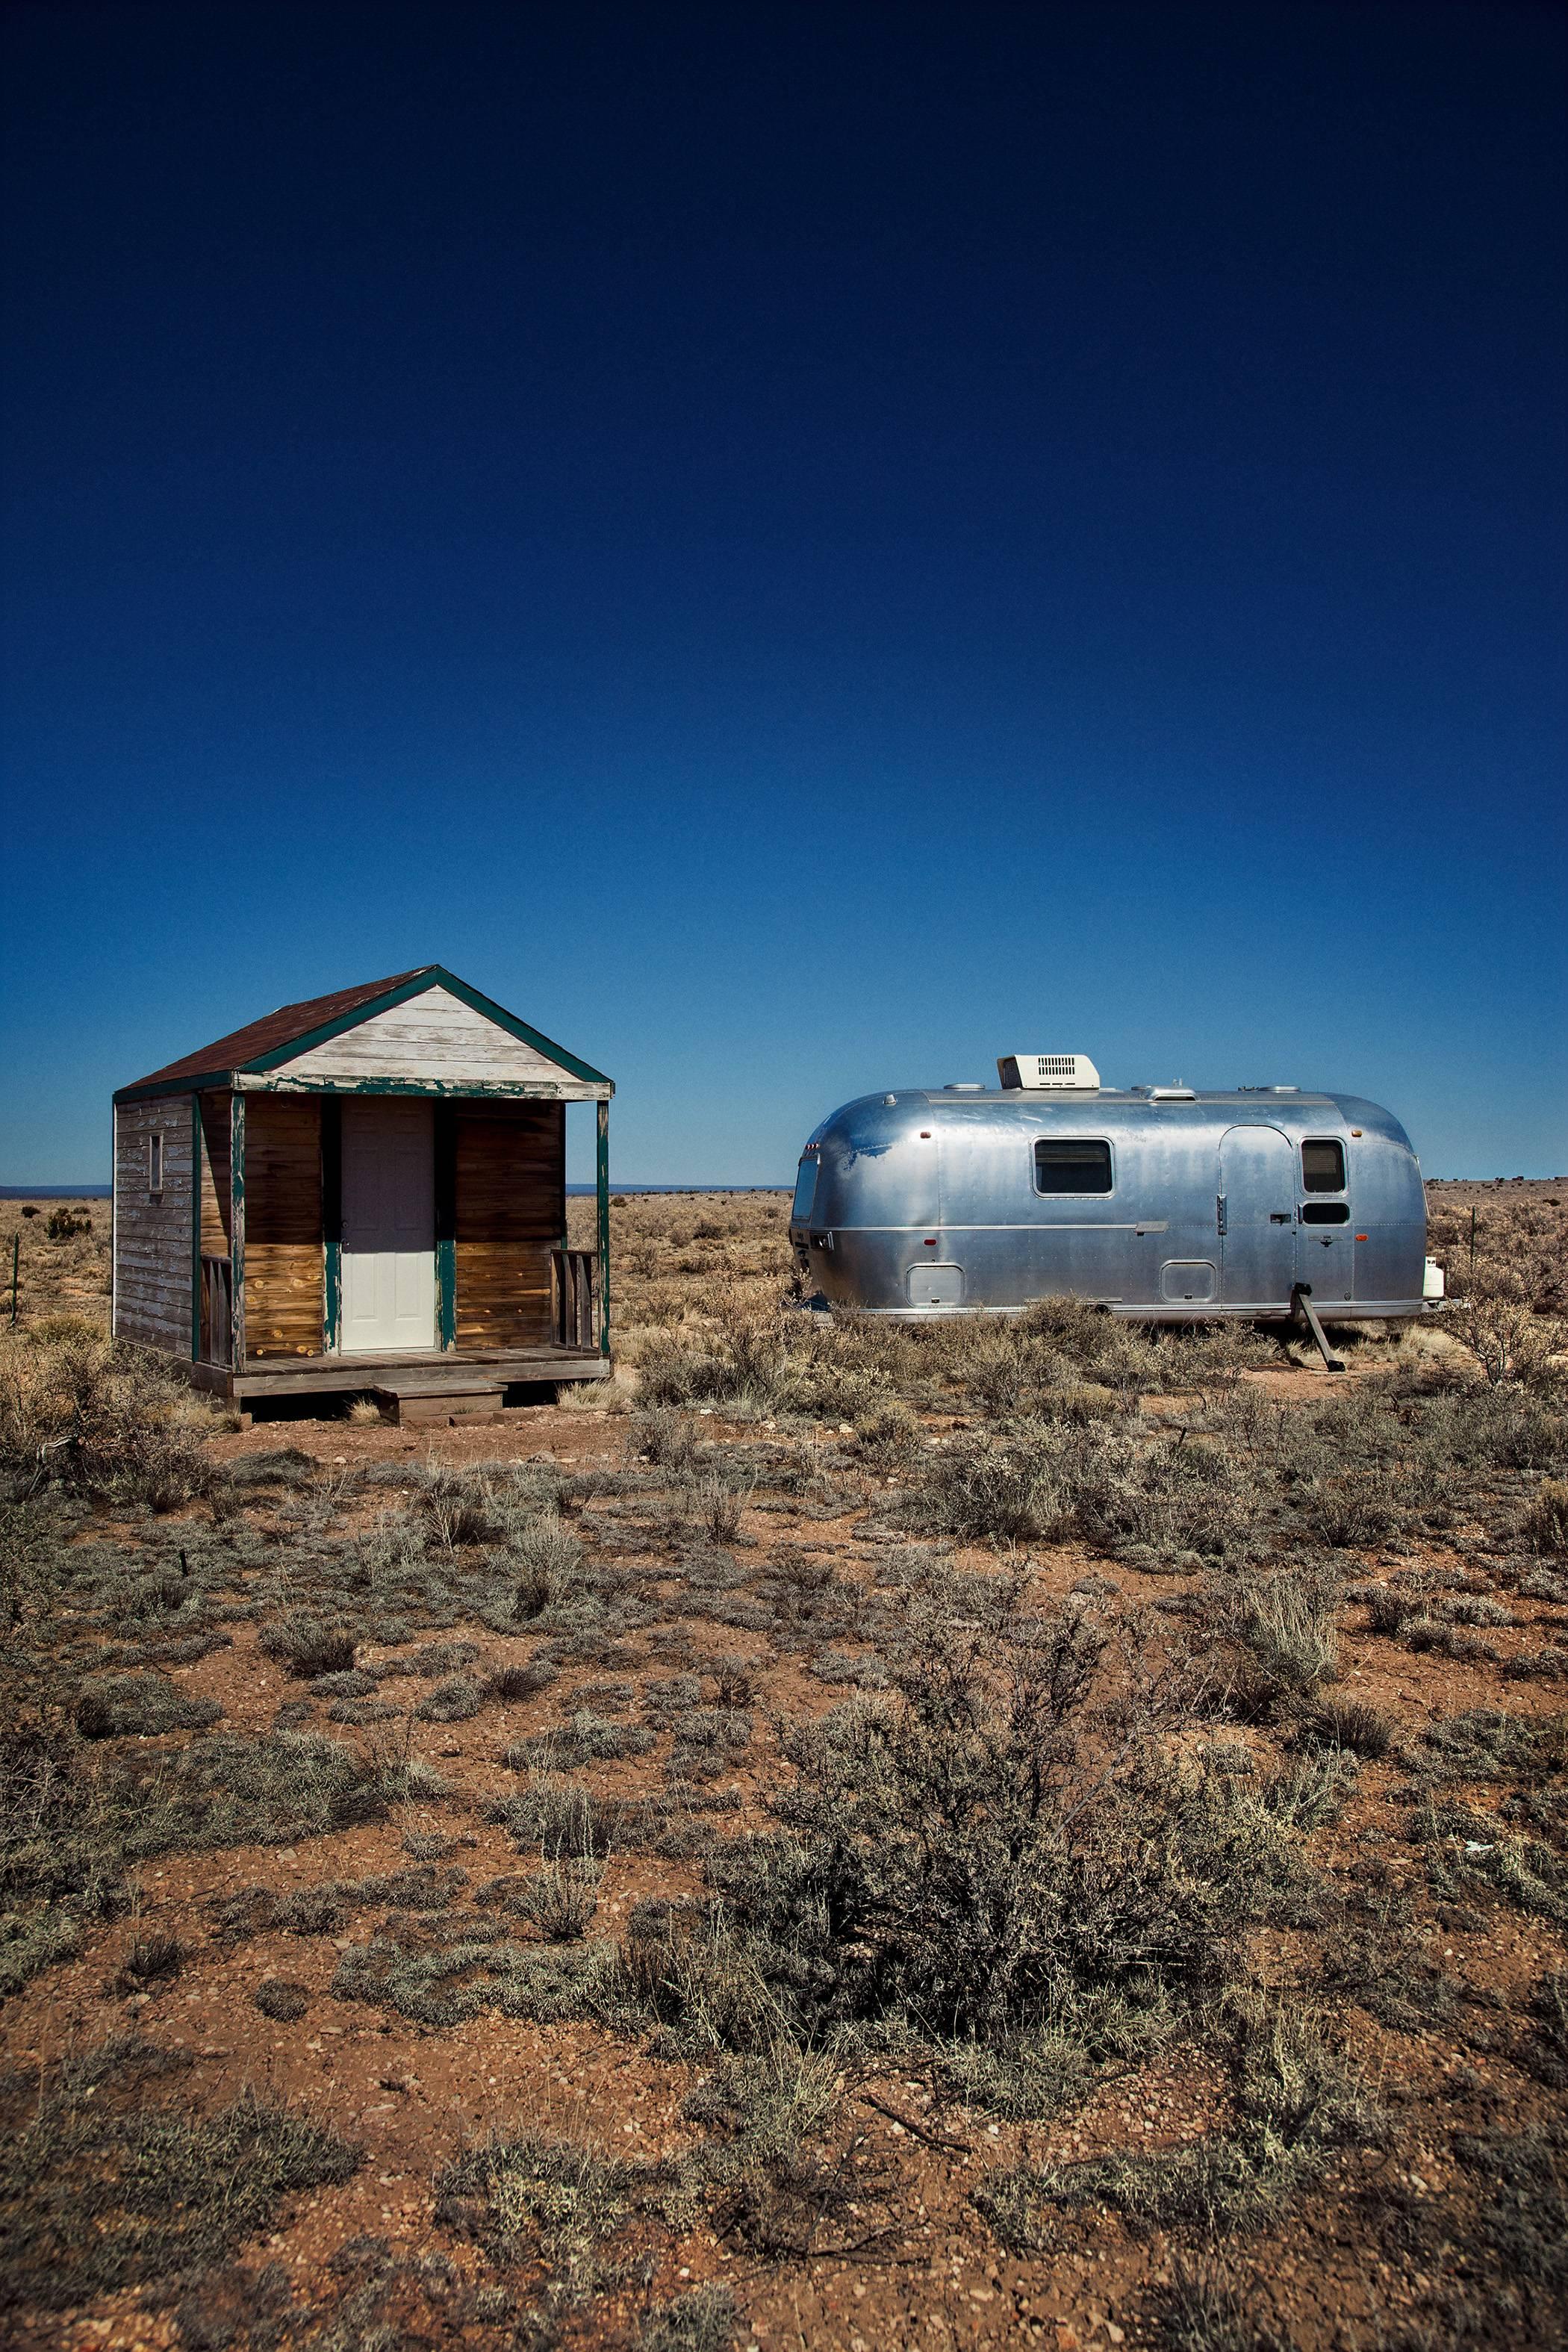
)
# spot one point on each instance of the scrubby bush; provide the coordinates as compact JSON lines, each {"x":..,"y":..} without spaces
{"x":104,"y":2186}
{"x":1544,"y":1526}
{"x":1353,"y":1724}
{"x":1286,"y":1622}
{"x":702,"y":2321}
{"x":307,"y":1648}
{"x":545,"y":1558}
{"x":99,"y":1418}
{"x":1496,"y":1321}
{"x":1006,"y":1490}
{"x":951,"y":1861}
{"x":152,"y":1959}
{"x":519,"y":1682}
{"x":144,"y":1703}
{"x":522,"y":2197}
{"x":284,"y":2002}
{"x":452,"y":1701}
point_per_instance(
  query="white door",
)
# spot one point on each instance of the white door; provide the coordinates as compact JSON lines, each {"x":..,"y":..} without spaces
{"x":389,"y":1227}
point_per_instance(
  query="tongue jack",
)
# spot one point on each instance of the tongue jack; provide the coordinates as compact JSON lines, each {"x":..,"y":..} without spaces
{"x":1305,"y":1312}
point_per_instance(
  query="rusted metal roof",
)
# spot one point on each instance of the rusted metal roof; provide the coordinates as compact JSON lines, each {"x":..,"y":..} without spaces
{"x":242,"y":1047}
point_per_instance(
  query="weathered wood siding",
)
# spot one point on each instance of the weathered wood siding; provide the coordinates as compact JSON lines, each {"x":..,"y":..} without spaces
{"x":216,"y":1204}
{"x":434,"y":1039}
{"x":510,"y":1210}
{"x":285,"y":1299}
{"x":153,"y":1273}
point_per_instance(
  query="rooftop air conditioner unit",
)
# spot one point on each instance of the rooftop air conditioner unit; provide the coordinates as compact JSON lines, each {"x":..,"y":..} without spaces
{"x":1037,"y":1073}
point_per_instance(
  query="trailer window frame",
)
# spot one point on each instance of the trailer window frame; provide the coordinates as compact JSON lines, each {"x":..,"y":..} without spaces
{"x":1319,"y":1179}
{"x":1084,"y":1144}
{"x":804,"y":1201}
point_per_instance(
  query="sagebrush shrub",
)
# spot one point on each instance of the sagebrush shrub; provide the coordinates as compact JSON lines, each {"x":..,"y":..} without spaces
{"x":951,"y":1861}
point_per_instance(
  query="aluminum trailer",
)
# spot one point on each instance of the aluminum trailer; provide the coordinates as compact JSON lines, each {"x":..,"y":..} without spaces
{"x":1162,"y":1204}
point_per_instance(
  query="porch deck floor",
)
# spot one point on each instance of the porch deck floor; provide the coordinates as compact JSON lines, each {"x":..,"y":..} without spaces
{"x":453,"y":1371}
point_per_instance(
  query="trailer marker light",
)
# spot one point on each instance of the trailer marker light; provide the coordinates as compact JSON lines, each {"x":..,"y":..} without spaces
{"x":930,"y":1245}
{"x":1364,"y":1237}
{"x":925,"y":1135}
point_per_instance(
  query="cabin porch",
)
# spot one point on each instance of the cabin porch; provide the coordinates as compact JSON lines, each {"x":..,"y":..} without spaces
{"x":410,"y":1249}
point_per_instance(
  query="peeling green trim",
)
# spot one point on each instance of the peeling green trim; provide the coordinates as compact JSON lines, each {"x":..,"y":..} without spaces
{"x":332,"y":1227}
{"x":155,"y":1093}
{"x":236,"y":1225}
{"x":431,"y":1089}
{"x":195,"y":1229}
{"x":602,"y":1178}
{"x":432,"y":976}
{"x":446,"y":1150}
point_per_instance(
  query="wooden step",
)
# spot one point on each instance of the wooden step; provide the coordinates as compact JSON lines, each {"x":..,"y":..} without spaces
{"x":421,"y":1405}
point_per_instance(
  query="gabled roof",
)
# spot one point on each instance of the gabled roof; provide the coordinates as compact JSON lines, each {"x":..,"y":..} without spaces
{"x":276,"y":1037}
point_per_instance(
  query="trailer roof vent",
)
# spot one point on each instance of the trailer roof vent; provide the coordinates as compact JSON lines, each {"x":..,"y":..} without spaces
{"x":1037,"y":1072}
{"x":1173,"y":1094}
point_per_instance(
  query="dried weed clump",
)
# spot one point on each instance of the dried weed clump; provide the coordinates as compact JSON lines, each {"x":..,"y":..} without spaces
{"x":97,"y":1418}
{"x":1295,"y":2102}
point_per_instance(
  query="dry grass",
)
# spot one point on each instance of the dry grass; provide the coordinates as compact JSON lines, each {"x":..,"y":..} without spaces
{"x":66,"y":1272}
{"x":856,"y":1832}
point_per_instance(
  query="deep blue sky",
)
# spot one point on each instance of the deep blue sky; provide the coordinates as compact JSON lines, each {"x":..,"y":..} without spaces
{"x":801,"y":547}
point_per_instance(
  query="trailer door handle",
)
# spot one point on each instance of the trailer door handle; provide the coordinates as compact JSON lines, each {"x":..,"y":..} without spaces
{"x":1281,"y":1216}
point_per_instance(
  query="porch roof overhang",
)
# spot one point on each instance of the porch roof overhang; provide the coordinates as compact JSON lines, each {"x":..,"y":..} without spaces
{"x":247,"y":1082}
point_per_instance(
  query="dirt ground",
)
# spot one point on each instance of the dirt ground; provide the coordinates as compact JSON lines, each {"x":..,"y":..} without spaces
{"x":754,"y":1546}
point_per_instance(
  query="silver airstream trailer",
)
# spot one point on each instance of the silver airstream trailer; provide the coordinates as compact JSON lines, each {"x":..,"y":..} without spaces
{"x":1162,"y":1203}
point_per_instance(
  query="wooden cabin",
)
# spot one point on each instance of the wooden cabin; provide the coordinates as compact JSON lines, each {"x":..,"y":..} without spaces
{"x":365,"y":1192}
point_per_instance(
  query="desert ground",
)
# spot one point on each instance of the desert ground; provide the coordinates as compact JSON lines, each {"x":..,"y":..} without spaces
{"x":843,"y":1837}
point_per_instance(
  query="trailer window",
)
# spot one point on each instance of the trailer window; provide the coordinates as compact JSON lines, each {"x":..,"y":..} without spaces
{"x":1323,"y":1167}
{"x":805,"y":1192}
{"x":1325,"y":1212}
{"x":1063,"y":1167}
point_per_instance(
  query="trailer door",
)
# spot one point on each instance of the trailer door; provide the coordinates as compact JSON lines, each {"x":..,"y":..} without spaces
{"x":1254,"y":1210}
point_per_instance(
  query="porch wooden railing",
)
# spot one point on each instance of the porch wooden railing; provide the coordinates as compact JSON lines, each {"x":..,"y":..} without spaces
{"x":572,"y":1282}
{"x":217,"y":1310}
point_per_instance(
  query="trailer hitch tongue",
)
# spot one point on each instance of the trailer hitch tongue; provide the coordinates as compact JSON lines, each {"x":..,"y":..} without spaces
{"x":1305,"y":1312}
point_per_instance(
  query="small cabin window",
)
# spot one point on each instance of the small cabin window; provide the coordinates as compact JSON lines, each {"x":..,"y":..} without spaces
{"x":1323,"y":1167}
{"x":154,"y":1163}
{"x":1071,"y":1167}
{"x":805,"y":1192}
{"x":1325,"y":1212}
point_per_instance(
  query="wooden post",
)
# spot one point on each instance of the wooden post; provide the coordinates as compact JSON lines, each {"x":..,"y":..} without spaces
{"x":195,"y":1229}
{"x":236,"y":1224}
{"x":445,"y":1148}
{"x":114,"y":1220}
{"x":16,"y":1270}
{"x":333,"y":1225}
{"x":603,"y":1172}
